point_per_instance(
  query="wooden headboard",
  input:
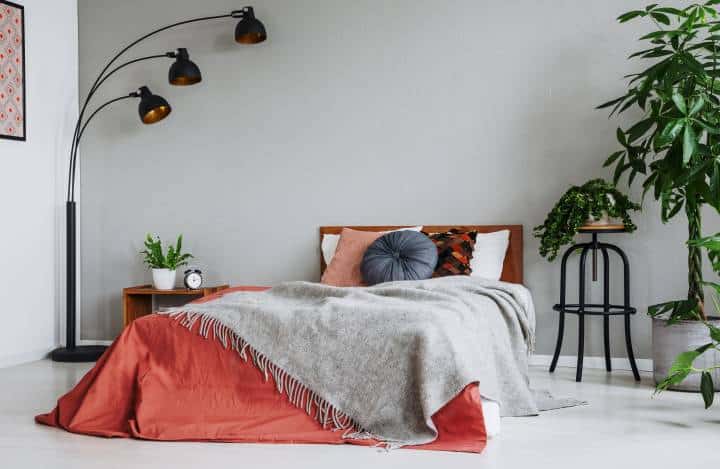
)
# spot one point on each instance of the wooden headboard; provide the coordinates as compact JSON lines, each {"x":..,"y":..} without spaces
{"x":512,"y":270}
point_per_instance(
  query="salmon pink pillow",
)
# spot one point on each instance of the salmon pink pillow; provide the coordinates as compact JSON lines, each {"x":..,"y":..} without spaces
{"x":344,"y":269}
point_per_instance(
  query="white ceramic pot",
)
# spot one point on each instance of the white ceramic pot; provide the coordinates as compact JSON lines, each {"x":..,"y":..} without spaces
{"x":670,"y":341}
{"x":604,"y":217}
{"x":602,"y":221}
{"x":164,"y":279}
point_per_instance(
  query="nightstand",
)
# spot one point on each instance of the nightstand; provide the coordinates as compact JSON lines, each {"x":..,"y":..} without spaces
{"x":138,"y":301}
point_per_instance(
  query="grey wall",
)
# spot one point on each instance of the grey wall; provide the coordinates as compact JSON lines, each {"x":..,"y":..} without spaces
{"x":362,"y":112}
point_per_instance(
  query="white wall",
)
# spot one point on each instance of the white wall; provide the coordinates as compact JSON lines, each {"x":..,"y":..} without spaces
{"x":357,"y":112}
{"x":32,"y":183}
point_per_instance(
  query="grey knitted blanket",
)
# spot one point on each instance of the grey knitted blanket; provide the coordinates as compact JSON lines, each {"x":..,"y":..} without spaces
{"x":378,"y":362}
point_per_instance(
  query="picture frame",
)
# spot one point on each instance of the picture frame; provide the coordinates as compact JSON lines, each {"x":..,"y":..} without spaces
{"x":13,"y":98}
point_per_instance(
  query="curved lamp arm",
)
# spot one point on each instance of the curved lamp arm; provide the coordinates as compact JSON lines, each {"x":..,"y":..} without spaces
{"x":101,"y":78}
{"x":78,"y":124}
{"x":103,"y":106}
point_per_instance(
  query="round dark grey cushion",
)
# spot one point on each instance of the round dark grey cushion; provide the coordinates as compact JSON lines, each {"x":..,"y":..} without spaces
{"x":399,"y":255}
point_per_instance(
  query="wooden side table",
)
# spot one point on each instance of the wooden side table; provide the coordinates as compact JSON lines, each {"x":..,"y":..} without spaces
{"x":138,"y":301}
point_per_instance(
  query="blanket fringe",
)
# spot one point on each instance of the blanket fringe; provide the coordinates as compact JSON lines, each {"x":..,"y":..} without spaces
{"x":298,"y":394}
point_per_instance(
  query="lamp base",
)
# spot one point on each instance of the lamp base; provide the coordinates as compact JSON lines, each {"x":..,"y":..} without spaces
{"x":85,"y":353}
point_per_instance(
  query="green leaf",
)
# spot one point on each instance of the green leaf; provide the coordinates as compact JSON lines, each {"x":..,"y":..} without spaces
{"x":705,"y":348}
{"x":671,"y":11}
{"x":653,"y":35}
{"x":611,"y":103}
{"x":611,"y":159}
{"x":689,"y":144}
{"x":709,"y":129}
{"x":638,"y":166}
{"x":697,"y":106}
{"x":660,"y":18}
{"x":675,"y":311}
{"x":621,"y":136}
{"x":672,"y":379}
{"x":619,"y":170}
{"x":707,"y":388}
{"x":714,"y":332}
{"x":679,"y":101}
{"x":684,"y":361}
{"x":672,"y":130}
{"x":630,"y":15}
{"x":639,"y":129}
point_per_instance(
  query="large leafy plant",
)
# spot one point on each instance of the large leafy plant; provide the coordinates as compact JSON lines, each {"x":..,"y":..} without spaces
{"x":575,"y":208}
{"x":675,"y":145}
{"x":155,"y":258}
{"x":683,"y":365}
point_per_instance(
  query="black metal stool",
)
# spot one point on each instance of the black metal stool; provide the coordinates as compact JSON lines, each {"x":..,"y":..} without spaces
{"x":605,"y":309}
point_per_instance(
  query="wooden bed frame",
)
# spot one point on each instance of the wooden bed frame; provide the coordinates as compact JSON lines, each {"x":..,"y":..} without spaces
{"x":512,"y":269}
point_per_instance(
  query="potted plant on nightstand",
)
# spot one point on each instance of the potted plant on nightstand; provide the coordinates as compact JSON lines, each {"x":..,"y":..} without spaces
{"x":164,"y":265}
{"x":675,"y":145}
{"x":595,"y":203}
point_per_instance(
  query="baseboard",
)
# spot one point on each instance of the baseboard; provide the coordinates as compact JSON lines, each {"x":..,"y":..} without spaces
{"x":94,"y":342}
{"x":21,"y":358}
{"x":592,"y":363}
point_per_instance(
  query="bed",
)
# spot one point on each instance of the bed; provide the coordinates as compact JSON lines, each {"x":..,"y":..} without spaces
{"x":163,"y":380}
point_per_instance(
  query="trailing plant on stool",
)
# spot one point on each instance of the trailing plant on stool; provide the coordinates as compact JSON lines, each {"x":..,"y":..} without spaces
{"x":578,"y":205}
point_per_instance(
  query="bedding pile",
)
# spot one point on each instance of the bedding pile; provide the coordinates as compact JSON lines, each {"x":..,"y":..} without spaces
{"x":380,"y":361}
{"x":398,"y":364}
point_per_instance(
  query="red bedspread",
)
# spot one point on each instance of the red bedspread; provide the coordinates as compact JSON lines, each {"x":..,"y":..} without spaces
{"x":161,"y":381}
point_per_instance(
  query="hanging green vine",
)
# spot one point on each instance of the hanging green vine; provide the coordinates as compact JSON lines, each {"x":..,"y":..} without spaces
{"x":575,"y":208}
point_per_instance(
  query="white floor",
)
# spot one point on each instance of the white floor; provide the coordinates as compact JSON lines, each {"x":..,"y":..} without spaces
{"x":622,"y":426}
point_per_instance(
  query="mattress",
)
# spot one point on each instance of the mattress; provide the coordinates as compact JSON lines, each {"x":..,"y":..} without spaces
{"x":491,"y":414}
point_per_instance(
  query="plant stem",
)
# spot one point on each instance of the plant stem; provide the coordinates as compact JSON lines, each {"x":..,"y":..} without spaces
{"x":695,"y":278}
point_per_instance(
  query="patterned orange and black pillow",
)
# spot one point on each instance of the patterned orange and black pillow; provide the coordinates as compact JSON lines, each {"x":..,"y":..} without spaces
{"x":455,"y":249}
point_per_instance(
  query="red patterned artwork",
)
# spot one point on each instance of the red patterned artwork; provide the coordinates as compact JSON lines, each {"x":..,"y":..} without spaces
{"x":12,"y":71}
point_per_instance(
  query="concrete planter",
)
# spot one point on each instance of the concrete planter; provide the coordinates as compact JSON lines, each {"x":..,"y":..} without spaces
{"x":670,"y":341}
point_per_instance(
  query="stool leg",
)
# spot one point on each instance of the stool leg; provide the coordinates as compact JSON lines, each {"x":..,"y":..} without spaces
{"x":561,"y":324}
{"x":628,"y":343}
{"x":581,"y":347}
{"x":558,"y":345}
{"x":606,"y":307}
{"x":606,"y":331}
{"x":626,"y":294}
{"x":581,"y":314}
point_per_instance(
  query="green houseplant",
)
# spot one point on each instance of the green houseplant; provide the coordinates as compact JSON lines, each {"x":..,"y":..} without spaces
{"x":164,"y":265}
{"x":578,"y":206}
{"x":675,"y":144}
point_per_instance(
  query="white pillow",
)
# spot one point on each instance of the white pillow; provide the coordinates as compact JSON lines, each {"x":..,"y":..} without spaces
{"x":489,"y":254}
{"x":330,"y":242}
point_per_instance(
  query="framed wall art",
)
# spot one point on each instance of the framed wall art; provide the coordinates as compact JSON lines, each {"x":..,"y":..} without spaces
{"x":13,"y":120}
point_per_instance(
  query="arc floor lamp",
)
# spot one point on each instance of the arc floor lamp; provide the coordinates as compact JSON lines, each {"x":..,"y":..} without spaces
{"x":152,"y":108}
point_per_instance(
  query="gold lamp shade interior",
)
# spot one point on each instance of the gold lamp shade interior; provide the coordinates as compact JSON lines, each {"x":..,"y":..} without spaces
{"x":156,"y":115}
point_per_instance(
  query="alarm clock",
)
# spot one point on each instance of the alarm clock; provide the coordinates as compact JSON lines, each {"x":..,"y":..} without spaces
{"x":193,"y":279}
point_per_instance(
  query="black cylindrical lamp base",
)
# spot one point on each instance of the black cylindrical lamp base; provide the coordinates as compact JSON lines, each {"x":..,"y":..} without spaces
{"x":84,"y":353}
{"x":72,"y":352}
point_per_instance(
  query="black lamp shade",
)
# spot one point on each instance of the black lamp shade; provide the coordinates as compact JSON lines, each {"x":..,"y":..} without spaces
{"x":152,"y":108}
{"x":183,"y":71}
{"x":249,"y":29}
